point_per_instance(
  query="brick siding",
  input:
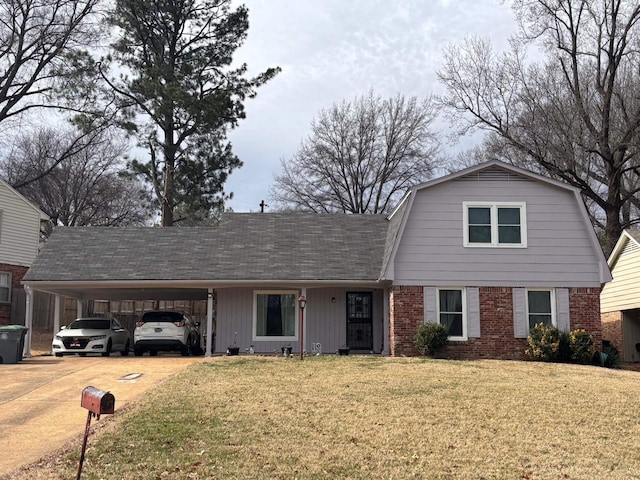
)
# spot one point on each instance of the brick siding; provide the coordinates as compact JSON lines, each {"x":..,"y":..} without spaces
{"x":17,"y":272}
{"x":496,"y":323}
{"x":612,"y":329}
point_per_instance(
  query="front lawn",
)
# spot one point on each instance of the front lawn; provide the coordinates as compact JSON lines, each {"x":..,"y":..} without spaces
{"x":371,"y":418}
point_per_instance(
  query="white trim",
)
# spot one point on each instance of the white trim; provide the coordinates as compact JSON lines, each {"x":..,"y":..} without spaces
{"x":494,"y":206}
{"x":552,"y":299}
{"x":254,"y":320}
{"x":464,"y":336}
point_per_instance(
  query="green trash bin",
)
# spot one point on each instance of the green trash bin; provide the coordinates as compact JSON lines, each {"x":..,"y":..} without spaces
{"x":12,"y":343}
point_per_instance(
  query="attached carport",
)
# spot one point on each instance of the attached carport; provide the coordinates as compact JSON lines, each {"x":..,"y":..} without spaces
{"x":83,"y":291}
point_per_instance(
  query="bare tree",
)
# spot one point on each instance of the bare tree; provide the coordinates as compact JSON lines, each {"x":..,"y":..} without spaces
{"x":574,"y":114}
{"x":39,"y":43}
{"x":86,"y":188}
{"x":360,"y":157}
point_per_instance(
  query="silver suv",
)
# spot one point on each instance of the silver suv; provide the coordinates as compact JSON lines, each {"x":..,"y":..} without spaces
{"x":166,"y":331}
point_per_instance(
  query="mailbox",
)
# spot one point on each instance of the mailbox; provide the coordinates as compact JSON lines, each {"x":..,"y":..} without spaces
{"x":98,"y":401}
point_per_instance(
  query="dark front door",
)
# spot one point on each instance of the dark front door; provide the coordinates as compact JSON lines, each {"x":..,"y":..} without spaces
{"x":359,"y":321}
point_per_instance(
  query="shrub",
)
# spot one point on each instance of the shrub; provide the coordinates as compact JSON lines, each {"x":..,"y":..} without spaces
{"x":582,"y":346}
{"x":564,"y":350}
{"x":608,"y":358}
{"x":431,"y":338}
{"x":544,"y":343}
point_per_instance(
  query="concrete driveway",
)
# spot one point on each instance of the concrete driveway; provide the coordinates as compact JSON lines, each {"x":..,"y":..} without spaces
{"x":40,"y":398}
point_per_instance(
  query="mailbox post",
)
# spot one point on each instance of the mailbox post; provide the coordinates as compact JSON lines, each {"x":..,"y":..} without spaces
{"x":96,"y":402}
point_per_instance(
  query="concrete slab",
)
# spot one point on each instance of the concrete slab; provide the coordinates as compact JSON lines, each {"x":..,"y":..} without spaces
{"x":40,"y":398}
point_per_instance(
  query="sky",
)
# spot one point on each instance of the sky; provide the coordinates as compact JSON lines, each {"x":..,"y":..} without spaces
{"x":334,"y":50}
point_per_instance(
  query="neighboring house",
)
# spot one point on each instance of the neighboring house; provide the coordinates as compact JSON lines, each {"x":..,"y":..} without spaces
{"x":488,"y":251}
{"x":19,"y":240}
{"x":620,"y":299}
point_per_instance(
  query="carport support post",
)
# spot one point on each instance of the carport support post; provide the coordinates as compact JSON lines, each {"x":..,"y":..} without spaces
{"x":56,"y":314}
{"x":79,"y":309}
{"x":28,"y":321}
{"x":209,"y":322}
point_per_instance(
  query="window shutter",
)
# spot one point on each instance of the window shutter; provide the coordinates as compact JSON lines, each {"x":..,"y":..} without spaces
{"x":562,"y":309}
{"x":430,"y":305}
{"x":520,"y":321}
{"x":473,"y":312}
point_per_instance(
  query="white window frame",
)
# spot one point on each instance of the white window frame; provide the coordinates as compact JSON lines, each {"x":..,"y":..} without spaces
{"x":6,"y":275}
{"x":263,"y":338}
{"x":464,"y":336}
{"x":494,"y":206}
{"x":552,"y":299}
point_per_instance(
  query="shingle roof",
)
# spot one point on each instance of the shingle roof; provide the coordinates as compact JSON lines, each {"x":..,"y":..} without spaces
{"x":244,"y":246}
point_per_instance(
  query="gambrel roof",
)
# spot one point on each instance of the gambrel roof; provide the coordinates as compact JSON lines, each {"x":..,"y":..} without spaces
{"x":283,"y":249}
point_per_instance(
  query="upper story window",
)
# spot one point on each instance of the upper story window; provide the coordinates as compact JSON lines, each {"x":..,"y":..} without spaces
{"x":495,"y":224}
{"x":5,"y":287}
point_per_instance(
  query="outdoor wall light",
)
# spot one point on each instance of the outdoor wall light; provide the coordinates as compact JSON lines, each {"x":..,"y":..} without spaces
{"x":333,"y":299}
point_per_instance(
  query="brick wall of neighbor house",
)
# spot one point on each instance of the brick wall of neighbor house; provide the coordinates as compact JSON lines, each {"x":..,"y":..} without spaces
{"x":496,"y":323}
{"x":612,"y":328}
{"x":17,"y":272}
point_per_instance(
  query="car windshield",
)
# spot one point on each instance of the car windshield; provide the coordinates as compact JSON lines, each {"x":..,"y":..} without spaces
{"x":162,"y":317}
{"x":93,"y":323}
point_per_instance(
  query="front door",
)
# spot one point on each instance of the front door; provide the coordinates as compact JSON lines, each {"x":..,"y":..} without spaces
{"x":359,"y":321}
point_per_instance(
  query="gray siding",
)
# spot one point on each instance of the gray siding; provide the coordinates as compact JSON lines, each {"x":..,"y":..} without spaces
{"x":325,"y":322}
{"x":623,"y":293}
{"x":559,"y":252}
{"x":19,"y":228}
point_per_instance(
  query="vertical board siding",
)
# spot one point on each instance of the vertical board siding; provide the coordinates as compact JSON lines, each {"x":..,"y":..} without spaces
{"x":559,"y":251}
{"x":325,"y":321}
{"x":623,"y":292}
{"x":19,"y":229}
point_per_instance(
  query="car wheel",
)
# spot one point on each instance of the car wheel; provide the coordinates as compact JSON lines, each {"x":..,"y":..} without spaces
{"x":125,"y":352}
{"x":58,"y":354}
{"x":137,"y":352}
{"x":185,"y":351}
{"x":108,"y":351}
{"x":153,"y":353}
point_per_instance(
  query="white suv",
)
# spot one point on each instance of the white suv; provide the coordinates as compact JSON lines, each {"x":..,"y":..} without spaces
{"x":166,"y":331}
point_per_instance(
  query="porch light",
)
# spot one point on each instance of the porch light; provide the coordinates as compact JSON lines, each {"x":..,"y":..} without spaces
{"x":302,"y":302}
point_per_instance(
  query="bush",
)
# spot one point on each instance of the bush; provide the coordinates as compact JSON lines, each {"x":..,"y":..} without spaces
{"x":608,"y":358}
{"x":582,"y":346}
{"x":544,"y":343}
{"x":431,"y":338}
{"x":564,"y":351}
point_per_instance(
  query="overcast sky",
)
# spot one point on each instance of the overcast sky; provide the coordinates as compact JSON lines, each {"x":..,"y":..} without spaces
{"x":330,"y":50}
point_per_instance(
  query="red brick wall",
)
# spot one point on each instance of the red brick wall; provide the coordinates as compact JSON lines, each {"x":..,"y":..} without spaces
{"x":612,"y":328}
{"x":584,"y":311}
{"x":17,"y":272}
{"x":406,"y":314}
{"x":496,"y":323}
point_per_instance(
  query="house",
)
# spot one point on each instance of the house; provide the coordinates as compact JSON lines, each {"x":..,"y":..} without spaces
{"x":19,"y":242}
{"x":620,"y":299}
{"x":488,"y":251}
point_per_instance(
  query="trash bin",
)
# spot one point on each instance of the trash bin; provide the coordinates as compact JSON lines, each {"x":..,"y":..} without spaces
{"x":12,"y":343}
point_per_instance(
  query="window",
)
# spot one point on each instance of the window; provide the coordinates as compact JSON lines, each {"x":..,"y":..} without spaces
{"x":5,"y":287}
{"x":451,"y":312}
{"x":495,"y":224}
{"x":540,"y":307}
{"x":275,"y":315}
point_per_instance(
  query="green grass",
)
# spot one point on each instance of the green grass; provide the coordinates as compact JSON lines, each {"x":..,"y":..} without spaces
{"x":371,"y":418}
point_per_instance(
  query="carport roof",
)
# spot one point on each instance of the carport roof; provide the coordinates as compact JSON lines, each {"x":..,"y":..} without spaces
{"x":254,"y":247}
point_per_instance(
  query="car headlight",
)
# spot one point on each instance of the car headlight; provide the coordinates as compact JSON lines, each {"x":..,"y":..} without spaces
{"x":97,"y":337}
{"x":58,"y":337}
